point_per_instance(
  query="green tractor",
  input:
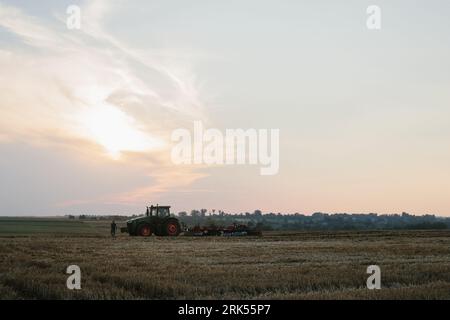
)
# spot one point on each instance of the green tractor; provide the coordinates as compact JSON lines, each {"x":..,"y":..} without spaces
{"x":157,"y":220}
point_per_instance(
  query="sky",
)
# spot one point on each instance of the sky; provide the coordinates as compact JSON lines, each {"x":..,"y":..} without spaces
{"x":86,"y":115}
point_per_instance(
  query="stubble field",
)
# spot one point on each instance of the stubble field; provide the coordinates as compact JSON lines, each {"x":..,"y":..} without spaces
{"x":279,"y":265}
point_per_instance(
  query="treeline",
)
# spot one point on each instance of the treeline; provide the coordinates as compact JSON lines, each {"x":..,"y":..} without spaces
{"x":297,"y":221}
{"x":316,"y":221}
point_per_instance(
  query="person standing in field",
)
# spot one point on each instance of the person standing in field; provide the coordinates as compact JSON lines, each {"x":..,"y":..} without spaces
{"x":113,"y":229}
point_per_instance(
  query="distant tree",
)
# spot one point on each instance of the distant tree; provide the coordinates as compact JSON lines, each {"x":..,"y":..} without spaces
{"x":195,"y":213}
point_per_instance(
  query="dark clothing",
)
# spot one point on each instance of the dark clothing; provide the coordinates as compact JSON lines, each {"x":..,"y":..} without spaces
{"x":113,"y":229}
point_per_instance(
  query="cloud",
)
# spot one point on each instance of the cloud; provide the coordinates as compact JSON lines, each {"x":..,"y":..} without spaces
{"x":27,"y":28}
{"x":91,"y":93}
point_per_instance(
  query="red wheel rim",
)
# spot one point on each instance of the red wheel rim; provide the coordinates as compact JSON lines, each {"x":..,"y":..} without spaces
{"x":145,"y":231}
{"x":172,"y":229}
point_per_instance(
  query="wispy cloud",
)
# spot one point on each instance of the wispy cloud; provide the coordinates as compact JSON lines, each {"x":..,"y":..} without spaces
{"x":84,"y":85}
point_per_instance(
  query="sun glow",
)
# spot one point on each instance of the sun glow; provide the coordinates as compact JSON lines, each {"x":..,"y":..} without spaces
{"x":113,"y":129}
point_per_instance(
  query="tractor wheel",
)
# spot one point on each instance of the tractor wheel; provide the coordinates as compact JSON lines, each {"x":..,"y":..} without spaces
{"x":172,"y":228}
{"x":144,"y":230}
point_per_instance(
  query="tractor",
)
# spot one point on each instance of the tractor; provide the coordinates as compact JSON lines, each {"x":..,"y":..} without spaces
{"x":157,"y":220}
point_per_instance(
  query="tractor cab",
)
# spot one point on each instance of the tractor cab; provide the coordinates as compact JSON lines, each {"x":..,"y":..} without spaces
{"x":158,"y":211}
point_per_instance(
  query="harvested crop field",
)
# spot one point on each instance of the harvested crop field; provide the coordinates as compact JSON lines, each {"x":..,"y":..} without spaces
{"x":278,"y":265}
